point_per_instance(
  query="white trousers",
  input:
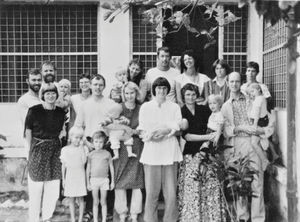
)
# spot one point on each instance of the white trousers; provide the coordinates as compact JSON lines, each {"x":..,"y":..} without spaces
{"x":121,"y":201}
{"x":45,"y":192}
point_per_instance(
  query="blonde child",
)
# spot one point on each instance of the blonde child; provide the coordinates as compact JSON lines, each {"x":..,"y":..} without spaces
{"x":98,"y":165}
{"x":64,"y":99}
{"x":116,"y":91}
{"x":117,"y":128}
{"x":258,"y":116}
{"x":216,"y":119}
{"x":73,"y":158}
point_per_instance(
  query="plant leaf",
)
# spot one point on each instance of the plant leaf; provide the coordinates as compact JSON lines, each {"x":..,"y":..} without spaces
{"x":106,"y":5}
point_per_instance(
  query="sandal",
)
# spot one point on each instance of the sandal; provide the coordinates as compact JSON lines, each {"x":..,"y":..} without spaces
{"x":87,"y":217}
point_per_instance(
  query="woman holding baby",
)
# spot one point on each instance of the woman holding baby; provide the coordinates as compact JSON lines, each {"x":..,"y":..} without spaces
{"x":129,"y":174}
{"x":159,"y":119}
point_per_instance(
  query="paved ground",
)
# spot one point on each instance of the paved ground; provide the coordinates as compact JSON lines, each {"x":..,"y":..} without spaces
{"x":61,"y":215}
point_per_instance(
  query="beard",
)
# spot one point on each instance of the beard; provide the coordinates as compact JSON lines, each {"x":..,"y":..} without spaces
{"x":49,"y":78}
{"x":35,"y":87}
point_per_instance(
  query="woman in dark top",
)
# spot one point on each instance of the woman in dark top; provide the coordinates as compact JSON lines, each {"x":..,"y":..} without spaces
{"x":129,"y":174}
{"x":199,"y":197}
{"x":43,"y":125}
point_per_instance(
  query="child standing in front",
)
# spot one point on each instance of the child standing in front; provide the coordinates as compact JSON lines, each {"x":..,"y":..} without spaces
{"x":98,"y":165}
{"x":73,"y":158}
{"x":216,"y":119}
{"x":258,"y":115}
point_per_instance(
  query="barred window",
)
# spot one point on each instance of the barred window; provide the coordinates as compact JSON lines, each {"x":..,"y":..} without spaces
{"x":143,"y":41}
{"x":235,"y":39}
{"x":275,"y":62}
{"x":31,"y":34}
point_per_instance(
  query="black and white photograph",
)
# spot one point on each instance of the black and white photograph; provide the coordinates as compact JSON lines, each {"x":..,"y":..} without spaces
{"x":149,"y":110}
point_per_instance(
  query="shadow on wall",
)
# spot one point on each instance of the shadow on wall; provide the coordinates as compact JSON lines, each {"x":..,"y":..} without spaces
{"x":272,"y":197}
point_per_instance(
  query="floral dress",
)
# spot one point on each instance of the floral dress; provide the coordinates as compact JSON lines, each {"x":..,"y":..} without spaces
{"x":199,"y":198}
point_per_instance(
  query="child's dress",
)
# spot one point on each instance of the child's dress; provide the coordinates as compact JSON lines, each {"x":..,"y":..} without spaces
{"x":74,"y":159}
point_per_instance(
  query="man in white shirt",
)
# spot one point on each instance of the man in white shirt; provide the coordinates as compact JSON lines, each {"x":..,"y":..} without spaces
{"x":95,"y":109}
{"x":31,"y":97}
{"x":163,"y":69}
{"x":158,"y":121}
{"x":238,"y":131}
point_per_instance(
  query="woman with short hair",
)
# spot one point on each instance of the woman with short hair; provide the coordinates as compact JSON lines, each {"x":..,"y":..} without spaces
{"x":159,"y":119}
{"x":199,"y":196}
{"x":43,"y":125}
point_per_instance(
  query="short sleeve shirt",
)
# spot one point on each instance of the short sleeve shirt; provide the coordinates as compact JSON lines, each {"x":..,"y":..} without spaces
{"x":99,"y":160}
{"x":43,"y":123}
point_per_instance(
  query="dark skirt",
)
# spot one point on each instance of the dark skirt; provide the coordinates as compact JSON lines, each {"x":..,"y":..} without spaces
{"x":129,"y":172}
{"x":44,"y":163}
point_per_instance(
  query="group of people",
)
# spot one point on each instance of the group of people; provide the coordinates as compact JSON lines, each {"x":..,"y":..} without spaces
{"x":147,"y":135}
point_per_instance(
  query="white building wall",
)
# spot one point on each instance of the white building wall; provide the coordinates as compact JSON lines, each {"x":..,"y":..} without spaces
{"x":298,"y":124}
{"x":114,"y":45}
{"x":255,"y":53}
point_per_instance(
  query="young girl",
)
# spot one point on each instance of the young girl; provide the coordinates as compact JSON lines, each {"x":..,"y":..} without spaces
{"x":73,"y":158}
{"x":258,"y":116}
{"x":98,"y":165}
{"x":216,"y":119}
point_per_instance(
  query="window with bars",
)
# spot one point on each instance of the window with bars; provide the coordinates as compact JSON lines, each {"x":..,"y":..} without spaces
{"x":143,"y":42}
{"x":235,"y":39}
{"x":275,"y":62}
{"x":30,"y":34}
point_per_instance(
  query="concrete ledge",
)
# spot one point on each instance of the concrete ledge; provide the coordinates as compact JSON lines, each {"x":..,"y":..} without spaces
{"x":10,"y":152}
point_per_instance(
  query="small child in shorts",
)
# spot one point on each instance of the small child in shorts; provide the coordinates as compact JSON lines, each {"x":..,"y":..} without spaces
{"x":99,"y":163}
{"x":117,"y":128}
{"x":215,"y":120}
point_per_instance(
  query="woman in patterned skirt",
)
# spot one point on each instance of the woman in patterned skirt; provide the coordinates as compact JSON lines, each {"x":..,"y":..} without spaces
{"x":43,"y":125}
{"x":199,"y":197}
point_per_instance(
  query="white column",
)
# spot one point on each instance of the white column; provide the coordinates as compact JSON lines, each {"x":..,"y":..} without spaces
{"x":255,"y":38}
{"x":113,"y":45}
